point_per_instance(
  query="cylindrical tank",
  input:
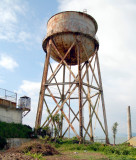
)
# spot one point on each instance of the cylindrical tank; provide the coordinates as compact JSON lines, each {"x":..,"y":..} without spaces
{"x":64,"y":28}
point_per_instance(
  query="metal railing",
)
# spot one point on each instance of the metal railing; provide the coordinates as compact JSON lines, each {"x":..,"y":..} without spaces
{"x":100,"y":140}
{"x":8,"y":95}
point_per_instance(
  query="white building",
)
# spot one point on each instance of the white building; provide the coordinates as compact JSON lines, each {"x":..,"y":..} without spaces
{"x":9,"y":112}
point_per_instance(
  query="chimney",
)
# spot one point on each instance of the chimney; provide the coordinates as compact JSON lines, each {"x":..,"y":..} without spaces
{"x":129,"y":124}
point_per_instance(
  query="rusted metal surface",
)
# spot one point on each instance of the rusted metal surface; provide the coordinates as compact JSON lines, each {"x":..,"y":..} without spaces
{"x":72,"y":21}
{"x":71,"y":40}
{"x":64,"y":27}
{"x":63,"y":58}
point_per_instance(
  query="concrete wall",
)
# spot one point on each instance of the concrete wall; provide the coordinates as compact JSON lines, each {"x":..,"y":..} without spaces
{"x":9,"y":115}
{"x":16,"y":142}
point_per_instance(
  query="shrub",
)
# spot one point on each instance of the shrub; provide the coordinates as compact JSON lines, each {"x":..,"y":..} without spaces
{"x":59,"y":141}
{"x":75,"y":140}
{"x":2,"y":142}
{"x":46,"y":131}
{"x":12,"y":130}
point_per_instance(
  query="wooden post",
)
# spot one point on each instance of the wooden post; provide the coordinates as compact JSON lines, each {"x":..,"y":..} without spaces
{"x":90,"y":118}
{"x":102,"y":99}
{"x":80,"y":94}
{"x":69,"y":103}
{"x":129,"y":124}
{"x":42,"y":91}
{"x":62,"y":98}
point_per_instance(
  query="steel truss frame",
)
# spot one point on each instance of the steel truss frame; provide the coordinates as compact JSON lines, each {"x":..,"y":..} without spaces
{"x":76,"y":83}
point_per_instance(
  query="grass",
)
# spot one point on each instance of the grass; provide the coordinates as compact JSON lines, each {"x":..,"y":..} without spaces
{"x":94,"y":150}
{"x":70,"y":149}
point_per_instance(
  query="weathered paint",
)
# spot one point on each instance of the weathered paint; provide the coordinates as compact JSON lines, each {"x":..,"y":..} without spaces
{"x":42,"y":91}
{"x":64,"y":28}
{"x":71,"y":21}
{"x":10,"y":114}
{"x":7,"y":103}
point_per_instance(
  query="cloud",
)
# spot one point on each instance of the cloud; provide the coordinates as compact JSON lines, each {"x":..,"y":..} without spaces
{"x":8,"y":62}
{"x":10,"y":28}
{"x":30,"y":89}
{"x":23,"y":36}
{"x":116,"y":28}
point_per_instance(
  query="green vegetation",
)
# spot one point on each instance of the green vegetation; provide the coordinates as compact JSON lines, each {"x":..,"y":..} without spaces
{"x":71,"y":146}
{"x":12,"y":130}
{"x":114,"y":130}
{"x":119,"y":152}
{"x":2,"y":142}
{"x":54,"y":130}
{"x":35,"y":155}
{"x":45,"y":131}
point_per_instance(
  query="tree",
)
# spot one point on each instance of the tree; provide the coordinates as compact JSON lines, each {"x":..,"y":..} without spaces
{"x":114,"y":130}
{"x":57,"y":119}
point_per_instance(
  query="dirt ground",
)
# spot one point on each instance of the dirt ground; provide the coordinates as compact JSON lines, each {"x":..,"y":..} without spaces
{"x":11,"y":155}
{"x":78,"y":156}
{"x":48,"y":153}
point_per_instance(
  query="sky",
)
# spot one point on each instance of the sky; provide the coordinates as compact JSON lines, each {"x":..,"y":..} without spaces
{"x":23,"y":27}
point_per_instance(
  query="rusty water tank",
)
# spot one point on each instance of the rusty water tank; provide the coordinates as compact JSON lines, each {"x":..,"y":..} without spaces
{"x":64,"y":28}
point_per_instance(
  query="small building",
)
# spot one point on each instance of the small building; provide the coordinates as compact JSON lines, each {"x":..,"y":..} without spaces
{"x":24,"y":104}
{"x":9,"y":111}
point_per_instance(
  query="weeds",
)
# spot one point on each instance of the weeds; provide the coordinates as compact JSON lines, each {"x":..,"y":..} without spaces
{"x":35,"y":155}
{"x":120,"y":152}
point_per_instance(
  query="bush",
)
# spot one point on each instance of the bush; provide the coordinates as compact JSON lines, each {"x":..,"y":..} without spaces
{"x":46,"y":131}
{"x":12,"y":130}
{"x":73,"y":140}
{"x":2,"y":142}
{"x":59,"y":141}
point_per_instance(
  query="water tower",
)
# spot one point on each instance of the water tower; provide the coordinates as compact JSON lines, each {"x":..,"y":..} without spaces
{"x":71,"y":42}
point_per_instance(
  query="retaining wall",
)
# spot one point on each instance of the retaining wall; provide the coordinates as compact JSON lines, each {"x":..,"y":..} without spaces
{"x":16,"y":142}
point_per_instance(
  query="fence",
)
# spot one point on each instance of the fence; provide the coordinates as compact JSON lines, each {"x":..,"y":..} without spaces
{"x":8,"y":95}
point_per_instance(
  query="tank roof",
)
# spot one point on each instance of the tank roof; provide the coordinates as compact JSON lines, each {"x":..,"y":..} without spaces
{"x":83,"y":13}
{"x":25,"y":97}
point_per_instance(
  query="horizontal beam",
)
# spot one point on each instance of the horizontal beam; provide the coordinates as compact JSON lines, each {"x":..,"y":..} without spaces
{"x":72,"y":97}
{"x":51,"y":96}
{"x":91,"y":86}
{"x":67,"y":83}
{"x":61,"y":83}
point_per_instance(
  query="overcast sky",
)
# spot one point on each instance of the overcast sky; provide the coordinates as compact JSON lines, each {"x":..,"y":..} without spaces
{"x":23,"y":27}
